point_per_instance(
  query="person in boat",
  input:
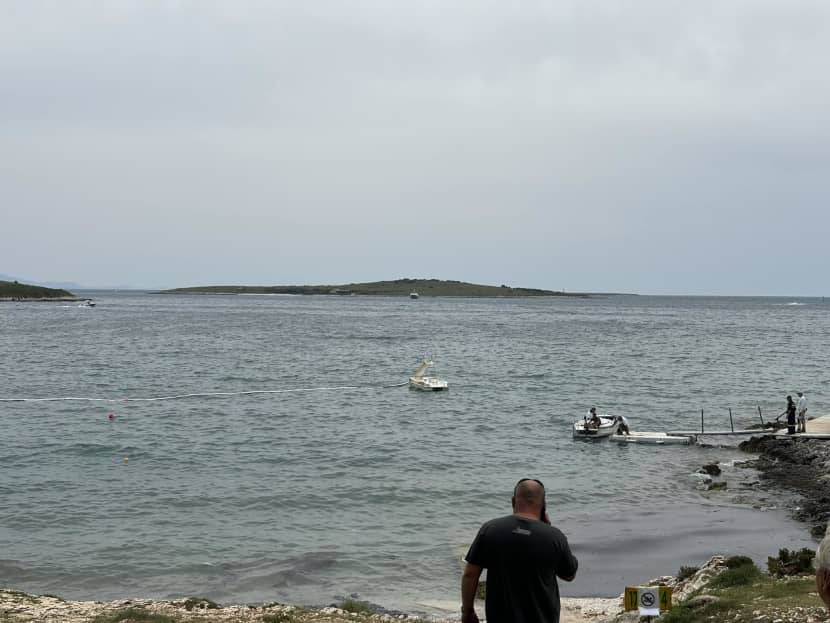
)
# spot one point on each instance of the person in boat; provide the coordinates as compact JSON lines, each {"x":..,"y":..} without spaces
{"x":592,"y":420}
{"x":623,"y":428}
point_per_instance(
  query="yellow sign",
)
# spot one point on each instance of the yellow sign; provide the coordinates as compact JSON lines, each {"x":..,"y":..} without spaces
{"x":633,"y":593}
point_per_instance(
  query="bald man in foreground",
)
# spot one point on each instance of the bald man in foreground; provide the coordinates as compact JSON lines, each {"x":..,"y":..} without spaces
{"x":523,"y":555}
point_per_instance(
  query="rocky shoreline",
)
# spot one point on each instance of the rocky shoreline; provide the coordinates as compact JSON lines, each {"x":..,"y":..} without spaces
{"x":798,"y":465}
{"x":19,"y":607}
{"x":702,"y":592}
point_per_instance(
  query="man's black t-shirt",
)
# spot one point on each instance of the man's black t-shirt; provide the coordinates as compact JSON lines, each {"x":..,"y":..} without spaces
{"x":522,"y":558}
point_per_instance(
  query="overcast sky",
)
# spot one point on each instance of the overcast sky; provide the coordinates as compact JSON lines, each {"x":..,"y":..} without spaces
{"x":654,"y":146}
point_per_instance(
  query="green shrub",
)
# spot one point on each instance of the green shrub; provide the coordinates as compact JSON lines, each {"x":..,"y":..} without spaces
{"x":356,"y":606}
{"x":791,"y":563}
{"x":736,"y":576}
{"x":684,"y":573}
{"x":277,"y":617}
{"x":684,"y":613}
{"x":733,"y":562}
{"x":680,"y":614}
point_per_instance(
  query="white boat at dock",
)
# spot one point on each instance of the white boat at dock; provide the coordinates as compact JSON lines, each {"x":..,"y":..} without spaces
{"x":607,"y":427}
{"x":421,"y":381}
{"x":413,"y":295}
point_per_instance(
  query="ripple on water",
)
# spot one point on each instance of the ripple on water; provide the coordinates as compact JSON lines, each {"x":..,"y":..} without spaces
{"x":305,"y":496}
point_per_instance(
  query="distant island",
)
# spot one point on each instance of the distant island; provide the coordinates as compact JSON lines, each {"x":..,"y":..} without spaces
{"x":15,"y":291}
{"x":399,"y":287}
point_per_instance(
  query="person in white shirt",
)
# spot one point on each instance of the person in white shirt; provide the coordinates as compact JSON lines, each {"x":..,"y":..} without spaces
{"x":801,"y":413}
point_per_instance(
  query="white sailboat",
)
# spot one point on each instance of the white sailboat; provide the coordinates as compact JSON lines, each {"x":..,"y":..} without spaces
{"x":421,"y":381}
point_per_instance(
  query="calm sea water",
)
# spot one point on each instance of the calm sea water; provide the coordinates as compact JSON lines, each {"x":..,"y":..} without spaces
{"x":311,"y":496}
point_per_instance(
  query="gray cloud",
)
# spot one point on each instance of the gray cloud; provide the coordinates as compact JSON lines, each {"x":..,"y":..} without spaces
{"x":654,"y":146}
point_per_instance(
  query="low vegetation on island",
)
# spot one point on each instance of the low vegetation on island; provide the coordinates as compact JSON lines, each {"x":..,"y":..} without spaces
{"x":398,"y":287}
{"x":15,"y":291}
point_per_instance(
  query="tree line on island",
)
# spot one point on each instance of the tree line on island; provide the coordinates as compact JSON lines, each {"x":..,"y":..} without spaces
{"x":398,"y":287}
{"x":16,"y":291}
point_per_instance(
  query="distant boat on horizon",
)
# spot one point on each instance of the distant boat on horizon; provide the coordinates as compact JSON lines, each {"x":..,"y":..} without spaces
{"x":413,"y":295}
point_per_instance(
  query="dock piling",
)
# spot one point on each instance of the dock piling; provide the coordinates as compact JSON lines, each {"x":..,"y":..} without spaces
{"x":760,"y":416}
{"x":701,"y":421}
{"x":731,"y":423}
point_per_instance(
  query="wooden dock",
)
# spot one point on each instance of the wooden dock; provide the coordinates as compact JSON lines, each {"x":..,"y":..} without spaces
{"x":658,"y":439}
{"x":817,"y":428}
{"x":697,"y":433}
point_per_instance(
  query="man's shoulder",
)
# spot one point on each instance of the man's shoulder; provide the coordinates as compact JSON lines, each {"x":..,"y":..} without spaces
{"x":500,"y":522}
{"x":509,"y":523}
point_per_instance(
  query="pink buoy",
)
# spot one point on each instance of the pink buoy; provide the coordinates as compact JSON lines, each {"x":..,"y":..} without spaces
{"x":110,"y":416}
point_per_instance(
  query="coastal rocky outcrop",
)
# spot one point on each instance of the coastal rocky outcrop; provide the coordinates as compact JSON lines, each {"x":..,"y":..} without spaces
{"x":19,"y":607}
{"x":698,"y":591}
{"x":703,"y":599}
{"x":800,"y":465}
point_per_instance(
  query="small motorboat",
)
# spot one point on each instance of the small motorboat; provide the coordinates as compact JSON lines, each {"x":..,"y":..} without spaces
{"x":607,"y":427}
{"x":413,"y":295}
{"x":421,"y":381}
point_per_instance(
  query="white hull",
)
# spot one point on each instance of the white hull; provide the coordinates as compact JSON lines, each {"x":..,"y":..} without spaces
{"x":608,"y":426}
{"x":658,"y":439}
{"x":427,"y":383}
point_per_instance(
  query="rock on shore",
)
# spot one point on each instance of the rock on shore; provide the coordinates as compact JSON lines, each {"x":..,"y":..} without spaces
{"x":801,"y":465}
{"x":19,"y":607}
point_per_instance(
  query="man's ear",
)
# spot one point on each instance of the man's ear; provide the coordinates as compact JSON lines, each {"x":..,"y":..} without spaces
{"x":513,"y":502}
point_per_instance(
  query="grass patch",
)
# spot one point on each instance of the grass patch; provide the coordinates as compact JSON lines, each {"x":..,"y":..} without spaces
{"x":686,"y":614}
{"x":133,"y":615}
{"x":277,"y":617}
{"x":739,"y":603}
{"x":356,"y":606}
{"x":791,"y":592}
{"x":738,"y":576}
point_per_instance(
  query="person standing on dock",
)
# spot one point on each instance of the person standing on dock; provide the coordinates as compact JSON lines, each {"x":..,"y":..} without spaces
{"x":801,"y":413}
{"x":624,"y":428}
{"x":523,"y":555}
{"x":790,"y":411}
